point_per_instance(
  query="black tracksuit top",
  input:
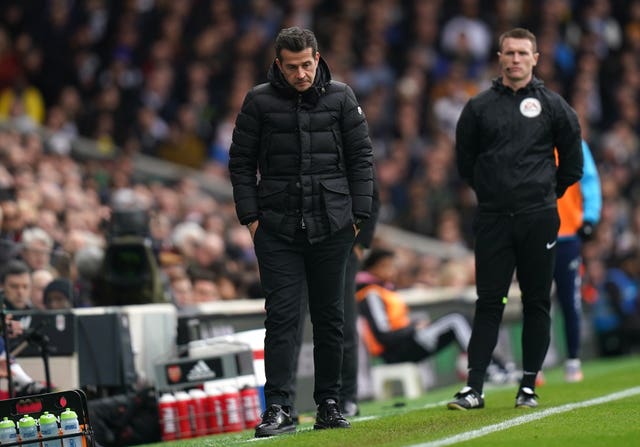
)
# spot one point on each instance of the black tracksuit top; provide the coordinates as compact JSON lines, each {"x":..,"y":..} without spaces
{"x":505,"y":144}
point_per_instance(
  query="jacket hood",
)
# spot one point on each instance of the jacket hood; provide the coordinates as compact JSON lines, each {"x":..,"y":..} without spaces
{"x":322,"y":79}
{"x":535,"y":83}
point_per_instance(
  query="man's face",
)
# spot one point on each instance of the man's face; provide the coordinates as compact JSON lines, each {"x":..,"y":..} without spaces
{"x":37,"y":255}
{"x":386,"y":269}
{"x":57,"y":300}
{"x":183,"y":291}
{"x":299,"y":69}
{"x":517,"y":60}
{"x":17,"y":290}
{"x":205,"y":291}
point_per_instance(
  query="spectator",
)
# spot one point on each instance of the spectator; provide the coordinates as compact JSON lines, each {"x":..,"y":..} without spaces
{"x":59,"y":294}
{"x":616,"y":312}
{"x":182,"y":292}
{"x":210,"y":253}
{"x":9,"y":250}
{"x":205,"y":289}
{"x":16,"y":285}
{"x":40,"y":278}
{"x":36,"y":248}
{"x":85,"y":270}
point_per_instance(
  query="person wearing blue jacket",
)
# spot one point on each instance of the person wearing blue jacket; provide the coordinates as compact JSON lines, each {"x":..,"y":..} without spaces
{"x":579,"y":209}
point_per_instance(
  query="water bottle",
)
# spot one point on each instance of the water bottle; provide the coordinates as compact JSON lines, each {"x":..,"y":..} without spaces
{"x":8,"y":431}
{"x":69,"y":424}
{"x":28,"y":431}
{"x":49,"y":430}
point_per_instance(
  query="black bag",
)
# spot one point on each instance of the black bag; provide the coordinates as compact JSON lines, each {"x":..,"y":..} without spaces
{"x":125,"y":419}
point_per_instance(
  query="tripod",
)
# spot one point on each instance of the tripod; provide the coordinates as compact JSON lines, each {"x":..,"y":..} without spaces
{"x":37,"y":337}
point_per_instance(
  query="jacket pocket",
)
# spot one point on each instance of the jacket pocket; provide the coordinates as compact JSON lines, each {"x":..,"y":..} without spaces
{"x":272,"y":194}
{"x":337,"y":202}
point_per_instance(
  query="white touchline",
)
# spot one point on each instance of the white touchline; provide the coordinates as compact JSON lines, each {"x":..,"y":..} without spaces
{"x":529,"y":418}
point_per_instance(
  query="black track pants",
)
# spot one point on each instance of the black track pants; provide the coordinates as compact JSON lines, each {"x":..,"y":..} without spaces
{"x":505,"y":243}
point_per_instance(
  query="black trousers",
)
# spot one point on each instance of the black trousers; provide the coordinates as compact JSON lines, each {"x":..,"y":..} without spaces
{"x":349,"y":375}
{"x":286,"y":269}
{"x":525,"y":243}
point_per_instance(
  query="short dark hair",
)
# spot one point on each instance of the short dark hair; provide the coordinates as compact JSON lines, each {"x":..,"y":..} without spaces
{"x":296,"y":39}
{"x":14,"y":267}
{"x":375,"y":256}
{"x":518,"y":33}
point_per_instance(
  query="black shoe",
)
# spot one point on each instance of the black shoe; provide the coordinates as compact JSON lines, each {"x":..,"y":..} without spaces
{"x":526,"y":398}
{"x":275,"y":421}
{"x":349,"y":408}
{"x":466,"y":399}
{"x":329,"y":416}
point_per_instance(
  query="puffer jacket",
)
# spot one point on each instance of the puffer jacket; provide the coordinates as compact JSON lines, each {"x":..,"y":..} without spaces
{"x":505,"y":147}
{"x":301,"y":159}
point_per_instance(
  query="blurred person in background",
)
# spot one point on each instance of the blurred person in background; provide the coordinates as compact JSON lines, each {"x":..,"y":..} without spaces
{"x":39,"y":280}
{"x":36,"y":248}
{"x":205,"y":289}
{"x":579,"y":210}
{"x":388,"y":329}
{"x":59,"y":295}
{"x":12,"y":222}
{"x":16,"y":285}
{"x":182,"y":291}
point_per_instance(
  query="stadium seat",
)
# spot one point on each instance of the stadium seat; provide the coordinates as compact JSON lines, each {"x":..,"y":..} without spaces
{"x":384,"y":376}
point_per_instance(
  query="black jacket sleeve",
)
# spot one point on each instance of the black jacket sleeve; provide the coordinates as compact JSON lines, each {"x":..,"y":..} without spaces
{"x":368,"y":226}
{"x":243,"y":161}
{"x":358,"y":155}
{"x":467,"y":139}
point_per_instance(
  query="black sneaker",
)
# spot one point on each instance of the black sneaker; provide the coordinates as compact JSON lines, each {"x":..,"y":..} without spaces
{"x":467,"y":399}
{"x":275,"y":421}
{"x":526,"y":398}
{"x":329,"y":416}
{"x":349,"y":408}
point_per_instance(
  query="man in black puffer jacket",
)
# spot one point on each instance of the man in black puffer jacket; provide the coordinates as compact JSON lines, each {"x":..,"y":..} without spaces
{"x":301,"y":166}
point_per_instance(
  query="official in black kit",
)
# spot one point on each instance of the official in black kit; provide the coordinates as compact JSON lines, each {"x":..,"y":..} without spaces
{"x":505,"y":140}
{"x":301,"y":166}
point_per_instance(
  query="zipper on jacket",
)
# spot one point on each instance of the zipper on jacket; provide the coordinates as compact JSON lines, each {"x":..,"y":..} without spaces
{"x":301,"y":194}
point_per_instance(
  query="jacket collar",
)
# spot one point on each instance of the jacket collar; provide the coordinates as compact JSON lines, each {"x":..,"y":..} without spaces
{"x":311,"y":95}
{"x":534,"y":84}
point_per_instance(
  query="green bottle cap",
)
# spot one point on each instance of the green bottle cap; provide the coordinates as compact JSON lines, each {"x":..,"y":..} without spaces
{"x":48,"y":418}
{"x":68,"y":414}
{"x":26,"y":421}
{"x":7,"y":423}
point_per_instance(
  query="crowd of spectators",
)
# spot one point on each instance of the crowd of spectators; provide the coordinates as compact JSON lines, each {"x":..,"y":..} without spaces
{"x":166,"y":78}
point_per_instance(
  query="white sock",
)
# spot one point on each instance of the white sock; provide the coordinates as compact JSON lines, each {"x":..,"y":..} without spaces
{"x":573,"y":363}
{"x":20,"y":377}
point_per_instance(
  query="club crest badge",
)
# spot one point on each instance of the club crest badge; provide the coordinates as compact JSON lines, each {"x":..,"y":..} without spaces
{"x":530,"y":107}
